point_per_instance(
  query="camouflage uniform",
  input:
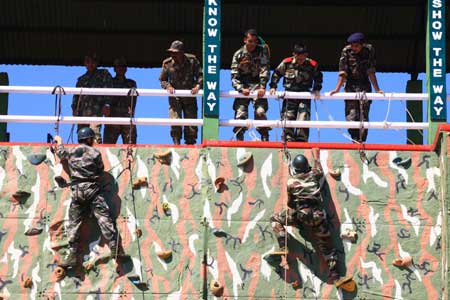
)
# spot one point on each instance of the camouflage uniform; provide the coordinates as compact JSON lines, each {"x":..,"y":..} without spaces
{"x":297,"y":78}
{"x":356,"y":67}
{"x":86,"y":167}
{"x":250,"y":70}
{"x":120,"y":107}
{"x":91,"y":106}
{"x":304,"y":201}
{"x":184,"y":76}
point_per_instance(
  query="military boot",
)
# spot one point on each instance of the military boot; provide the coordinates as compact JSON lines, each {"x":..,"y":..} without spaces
{"x":240,"y":136}
{"x":265,"y":137}
{"x":190,"y":141}
{"x":176,"y":140}
{"x":69,"y":260}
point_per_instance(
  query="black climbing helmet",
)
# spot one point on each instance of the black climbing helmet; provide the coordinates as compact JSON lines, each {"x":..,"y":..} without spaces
{"x":85,"y":133}
{"x":300,"y":164}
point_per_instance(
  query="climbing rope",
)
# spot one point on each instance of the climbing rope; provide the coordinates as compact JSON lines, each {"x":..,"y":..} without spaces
{"x":70,"y":137}
{"x":58,"y":91}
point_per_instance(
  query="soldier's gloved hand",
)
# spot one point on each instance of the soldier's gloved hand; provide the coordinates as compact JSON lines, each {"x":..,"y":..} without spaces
{"x":316,"y":95}
{"x":57,"y":139}
{"x":245,"y":92}
{"x":272,"y":91}
{"x":106,"y":110}
{"x":380,"y":92}
{"x":195,"y":89}
{"x":170,"y":89}
{"x":261,"y":93}
{"x":316,"y":153}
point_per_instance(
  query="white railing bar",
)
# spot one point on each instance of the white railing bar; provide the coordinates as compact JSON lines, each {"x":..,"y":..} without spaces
{"x":223,"y":94}
{"x":199,"y":122}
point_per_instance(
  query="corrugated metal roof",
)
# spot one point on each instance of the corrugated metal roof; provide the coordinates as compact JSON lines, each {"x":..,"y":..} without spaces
{"x":61,"y":32}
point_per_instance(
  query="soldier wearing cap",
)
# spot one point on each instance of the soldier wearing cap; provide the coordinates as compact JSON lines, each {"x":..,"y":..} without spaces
{"x":182,"y":71}
{"x":121,"y":106}
{"x":88,"y":105}
{"x":250,"y":72}
{"x":357,"y":71}
{"x":300,"y":74}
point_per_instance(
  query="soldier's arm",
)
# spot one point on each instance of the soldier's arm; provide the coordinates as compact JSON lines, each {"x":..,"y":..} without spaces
{"x":317,"y":165}
{"x":235,"y":81}
{"x":343,"y":63}
{"x":99,"y":162}
{"x":164,"y":77}
{"x":318,"y":78}
{"x":75,"y":101}
{"x":371,"y":71}
{"x":264,"y":72}
{"x":198,"y":72}
{"x":276,"y":75}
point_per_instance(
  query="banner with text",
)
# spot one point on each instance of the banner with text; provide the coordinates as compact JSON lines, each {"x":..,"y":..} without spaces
{"x":211,"y":58}
{"x":436,"y":67}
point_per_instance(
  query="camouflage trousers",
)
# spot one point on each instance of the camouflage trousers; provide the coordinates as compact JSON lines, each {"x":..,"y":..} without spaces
{"x":260,"y":107}
{"x":183,"y":107}
{"x":112,"y":133}
{"x":97,"y":130}
{"x":87,"y":199}
{"x":296,"y":110}
{"x":308,"y":217}
{"x":357,"y":110}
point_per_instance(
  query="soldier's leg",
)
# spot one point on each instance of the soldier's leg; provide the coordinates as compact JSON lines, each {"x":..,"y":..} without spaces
{"x":352,"y":114}
{"x":365,"y":117}
{"x":190,"y":112}
{"x":175,"y":110}
{"x":278,"y":222}
{"x":289,"y":112}
{"x":303,"y":114}
{"x":98,"y":132}
{"x":261,"y":106}
{"x":111,"y":134}
{"x":102,"y":213}
{"x":128,"y":132}
{"x":321,"y":232}
{"x":240,"y":107}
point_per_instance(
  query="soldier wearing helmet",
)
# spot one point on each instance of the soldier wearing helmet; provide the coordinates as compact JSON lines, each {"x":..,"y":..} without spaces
{"x":306,"y":211}
{"x":84,"y":165}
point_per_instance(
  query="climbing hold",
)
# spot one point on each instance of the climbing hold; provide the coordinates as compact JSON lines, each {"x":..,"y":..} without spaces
{"x":61,"y":182}
{"x":36,"y":158}
{"x":349,"y":234}
{"x":402,"y":262}
{"x":164,"y":157}
{"x":33,"y":231}
{"x":20,"y":197}
{"x":89,"y":267}
{"x":336,"y":173}
{"x":244,"y":159}
{"x":138,"y":232}
{"x":216,"y":288}
{"x":60,"y":273}
{"x":140,"y":182}
{"x":166,"y":209}
{"x":295,"y":285}
{"x":136,"y":280}
{"x":164,"y":255}
{"x":28,"y":283}
{"x":218,"y":183}
{"x":346,"y":283}
{"x":219,"y":233}
{"x":404,"y":163}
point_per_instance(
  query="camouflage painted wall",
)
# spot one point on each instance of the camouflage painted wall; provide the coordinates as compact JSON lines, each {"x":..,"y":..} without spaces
{"x":396,"y":210}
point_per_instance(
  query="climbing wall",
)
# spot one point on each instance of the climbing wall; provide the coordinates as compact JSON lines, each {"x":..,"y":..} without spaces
{"x":393,"y":201}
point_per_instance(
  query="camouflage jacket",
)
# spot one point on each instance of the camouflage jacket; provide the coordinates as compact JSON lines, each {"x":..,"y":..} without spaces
{"x":298,"y":77}
{"x":120,"y":105}
{"x":357,"y":66}
{"x":184,"y":76}
{"x":87,"y":105}
{"x":85,"y":162}
{"x":250,"y":68}
{"x":304,"y":187}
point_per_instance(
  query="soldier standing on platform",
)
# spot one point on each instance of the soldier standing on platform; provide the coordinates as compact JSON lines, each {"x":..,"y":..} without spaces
{"x":182,"y":71}
{"x":357,"y":71}
{"x":92,"y":106}
{"x":123,"y":106}
{"x":250,"y":71}
{"x":301,"y":74}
